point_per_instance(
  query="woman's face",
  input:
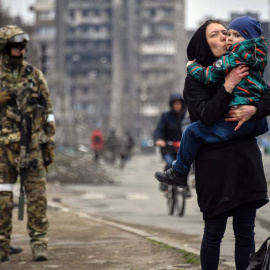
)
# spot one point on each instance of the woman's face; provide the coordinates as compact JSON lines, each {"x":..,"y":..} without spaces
{"x":216,"y":38}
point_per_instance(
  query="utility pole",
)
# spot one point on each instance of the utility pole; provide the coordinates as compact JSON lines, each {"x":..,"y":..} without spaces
{"x":44,"y":58}
{"x":117,"y":67}
{"x":131,"y":106}
{"x":60,"y":37}
{"x":180,"y":39}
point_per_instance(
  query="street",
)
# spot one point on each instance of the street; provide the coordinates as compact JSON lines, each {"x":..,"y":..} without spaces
{"x":136,"y":201}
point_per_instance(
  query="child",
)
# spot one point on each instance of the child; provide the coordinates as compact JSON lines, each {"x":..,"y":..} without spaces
{"x":249,"y":49}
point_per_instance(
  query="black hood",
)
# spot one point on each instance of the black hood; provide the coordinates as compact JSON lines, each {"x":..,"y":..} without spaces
{"x":199,"y":49}
{"x":174,"y":97}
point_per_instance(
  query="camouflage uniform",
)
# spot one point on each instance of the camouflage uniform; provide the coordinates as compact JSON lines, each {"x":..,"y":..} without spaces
{"x":29,"y":94}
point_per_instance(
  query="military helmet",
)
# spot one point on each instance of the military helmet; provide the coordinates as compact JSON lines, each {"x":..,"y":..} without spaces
{"x":12,"y":34}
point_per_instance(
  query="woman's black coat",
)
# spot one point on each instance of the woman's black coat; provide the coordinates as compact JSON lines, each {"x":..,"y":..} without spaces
{"x":231,"y":173}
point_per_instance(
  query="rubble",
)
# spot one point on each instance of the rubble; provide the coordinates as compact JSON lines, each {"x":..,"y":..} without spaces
{"x":77,"y":168}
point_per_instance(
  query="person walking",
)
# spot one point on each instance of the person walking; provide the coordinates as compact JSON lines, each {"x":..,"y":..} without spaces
{"x":230,"y":179}
{"x":131,"y":144}
{"x":97,"y":142}
{"x":24,"y":102}
{"x":123,"y":149}
{"x":111,"y":144}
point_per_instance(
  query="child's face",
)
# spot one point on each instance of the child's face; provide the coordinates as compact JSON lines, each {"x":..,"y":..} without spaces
{"x":232,"y":37}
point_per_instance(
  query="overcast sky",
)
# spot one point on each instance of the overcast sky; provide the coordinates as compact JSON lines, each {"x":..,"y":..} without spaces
{"x":196,"y":10}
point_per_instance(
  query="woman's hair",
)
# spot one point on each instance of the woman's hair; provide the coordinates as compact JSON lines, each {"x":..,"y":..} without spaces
{"x":215,"y":21}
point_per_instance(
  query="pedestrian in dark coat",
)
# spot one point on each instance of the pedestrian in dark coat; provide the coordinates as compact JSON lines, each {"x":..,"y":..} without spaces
{"x":112,"y":144}
{"x":230,"y":179}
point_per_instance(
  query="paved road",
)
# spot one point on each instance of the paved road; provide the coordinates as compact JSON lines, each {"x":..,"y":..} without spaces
{"x":136,"y":200}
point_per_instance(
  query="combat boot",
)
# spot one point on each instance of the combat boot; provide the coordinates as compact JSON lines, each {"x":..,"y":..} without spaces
{"x":14,"y":250}
{"x":39,"y":253}
{"x":3,"y":257}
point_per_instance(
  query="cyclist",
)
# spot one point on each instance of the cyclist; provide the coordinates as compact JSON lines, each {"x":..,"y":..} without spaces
{"x":169,"y":128}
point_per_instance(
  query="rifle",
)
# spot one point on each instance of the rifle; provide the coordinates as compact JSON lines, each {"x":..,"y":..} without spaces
{"x":25,"y":128}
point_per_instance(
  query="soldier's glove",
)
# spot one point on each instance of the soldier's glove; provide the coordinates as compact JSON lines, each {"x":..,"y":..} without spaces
{"x":48,"y":153}
{"x":4,"y":98}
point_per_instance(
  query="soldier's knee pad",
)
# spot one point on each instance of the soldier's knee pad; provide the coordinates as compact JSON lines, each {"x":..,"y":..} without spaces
{"x":6,"y":201}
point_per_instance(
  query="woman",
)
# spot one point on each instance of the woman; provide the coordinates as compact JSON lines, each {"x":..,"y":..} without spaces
{"x":230,"y":180}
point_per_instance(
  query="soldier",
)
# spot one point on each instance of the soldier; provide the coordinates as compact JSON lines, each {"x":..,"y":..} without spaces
{"x":23,"y":91}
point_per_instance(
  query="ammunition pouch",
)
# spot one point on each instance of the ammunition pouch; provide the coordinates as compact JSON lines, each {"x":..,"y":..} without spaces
{"x":48,"y":152}
{"x":13,"y":157}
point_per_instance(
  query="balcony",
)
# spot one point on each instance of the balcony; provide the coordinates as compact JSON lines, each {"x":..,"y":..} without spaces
{"x":84,"y":67}
{"x":90,"y":35}
{"x":82,"y":4}
{"x":94,"y":50}
{"x":157,"y":49}
{"x":157,"y":4}
{"x":157,"y":67}
{"x":98,"y":20}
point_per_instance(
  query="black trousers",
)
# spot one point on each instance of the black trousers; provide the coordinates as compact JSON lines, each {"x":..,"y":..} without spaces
{"x":243,"y":226}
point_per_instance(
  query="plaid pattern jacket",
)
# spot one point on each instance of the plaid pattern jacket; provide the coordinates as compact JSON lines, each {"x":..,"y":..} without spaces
{"x":251,"y":52}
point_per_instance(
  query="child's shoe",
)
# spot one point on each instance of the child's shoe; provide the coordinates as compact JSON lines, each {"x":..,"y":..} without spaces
{"x":172,"y":178}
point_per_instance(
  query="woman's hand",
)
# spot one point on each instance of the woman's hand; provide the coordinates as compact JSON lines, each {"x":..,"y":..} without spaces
{"x":4,"y":98}
{"x":235,"y":76}
{"x":241,"y":114}
{"x":190,"y":62}
{"x":160,"y":143}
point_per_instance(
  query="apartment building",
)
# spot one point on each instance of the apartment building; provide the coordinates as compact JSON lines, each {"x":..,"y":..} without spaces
{"x":84,"y":55}
{"x":44,"y":34}
{"x":122,"y":58}
{"x":161,"y":50}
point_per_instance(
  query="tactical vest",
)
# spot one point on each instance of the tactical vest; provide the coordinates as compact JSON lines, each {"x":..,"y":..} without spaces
{"x":25,"y":98}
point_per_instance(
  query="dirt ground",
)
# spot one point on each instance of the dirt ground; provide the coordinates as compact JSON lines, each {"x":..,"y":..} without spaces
{"x":79,"y":243}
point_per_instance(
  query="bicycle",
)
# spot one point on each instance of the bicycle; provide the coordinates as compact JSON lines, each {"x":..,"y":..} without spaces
{"x":176,"y":196}
{"x":176,"y":199}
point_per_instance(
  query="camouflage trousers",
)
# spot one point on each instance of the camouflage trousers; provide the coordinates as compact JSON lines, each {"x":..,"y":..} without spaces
{"x":35,"y":189}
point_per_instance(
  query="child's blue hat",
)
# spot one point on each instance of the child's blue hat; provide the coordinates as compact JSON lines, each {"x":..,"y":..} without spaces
{"x":246,"y":26}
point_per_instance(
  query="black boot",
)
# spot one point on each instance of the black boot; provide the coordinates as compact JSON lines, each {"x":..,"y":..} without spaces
{"x":172,"y":178}
{"x":14,"y":250}
{"x":3,"y":257}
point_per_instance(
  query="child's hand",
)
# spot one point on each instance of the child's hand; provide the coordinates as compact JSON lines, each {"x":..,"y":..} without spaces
{"x":190,"y":62}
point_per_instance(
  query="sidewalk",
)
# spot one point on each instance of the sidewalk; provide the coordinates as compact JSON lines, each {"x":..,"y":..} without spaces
{"x":80,"y":243}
